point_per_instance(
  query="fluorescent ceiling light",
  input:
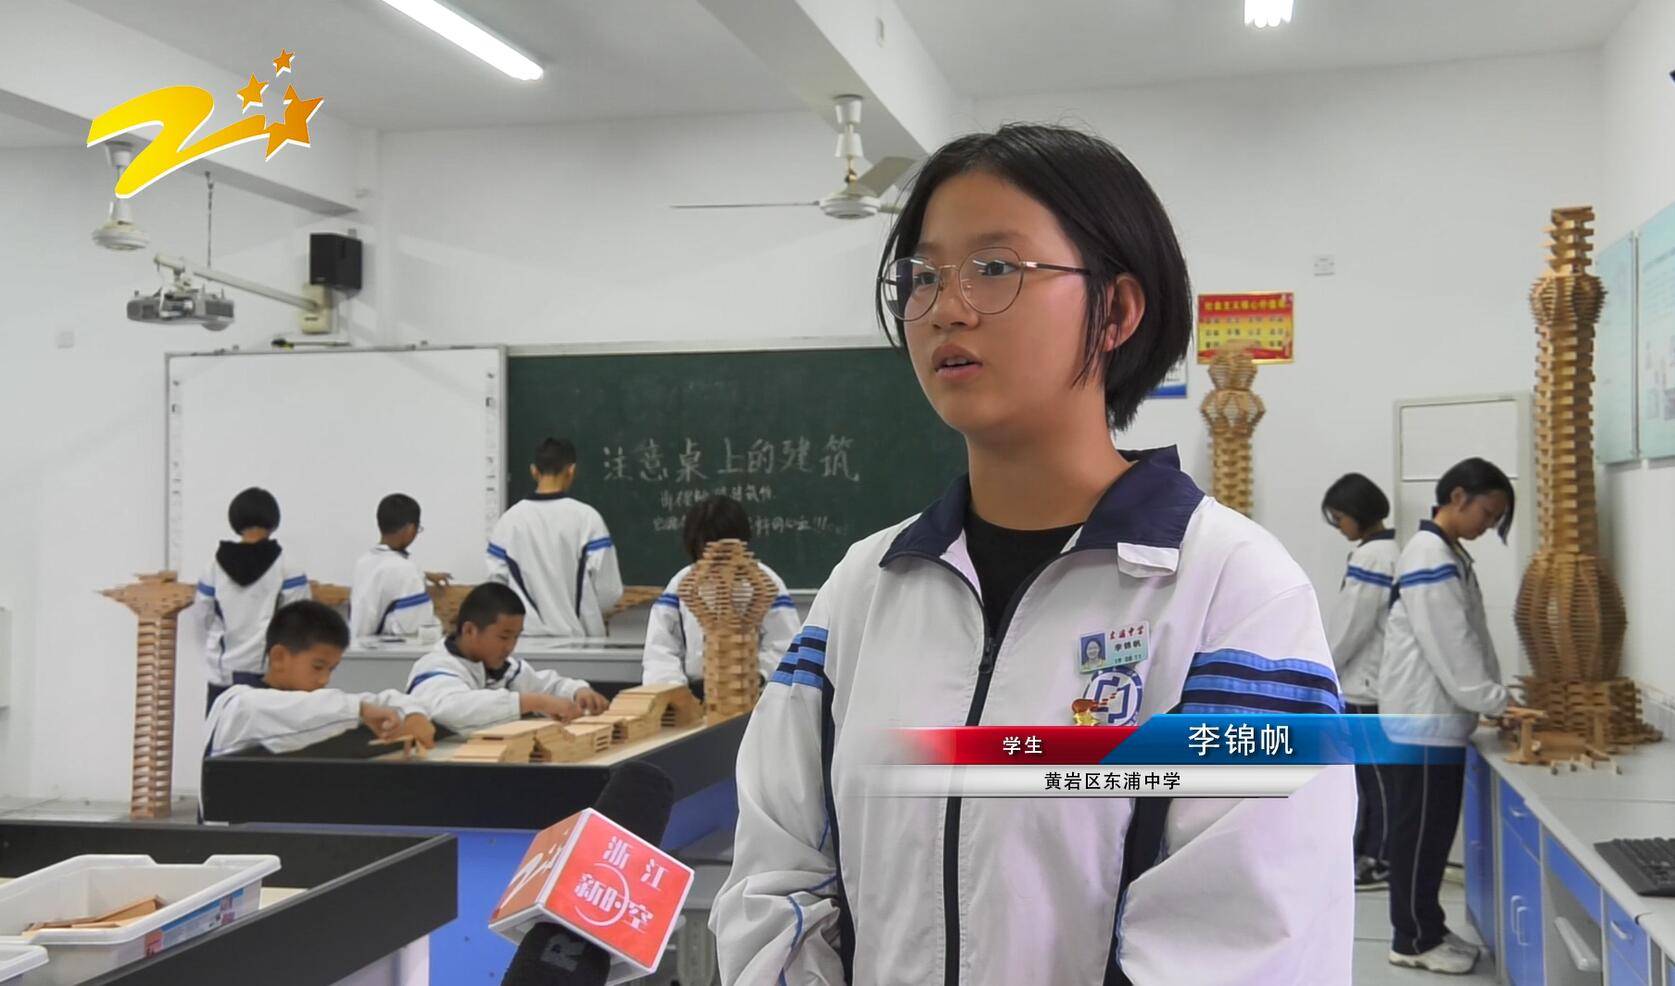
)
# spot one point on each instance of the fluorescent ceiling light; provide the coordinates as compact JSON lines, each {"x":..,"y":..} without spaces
{"x":1260,"y":13}
{"x":469,"y":35}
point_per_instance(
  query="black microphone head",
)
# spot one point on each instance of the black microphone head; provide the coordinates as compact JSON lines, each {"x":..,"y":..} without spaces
{"x":639,"y":797}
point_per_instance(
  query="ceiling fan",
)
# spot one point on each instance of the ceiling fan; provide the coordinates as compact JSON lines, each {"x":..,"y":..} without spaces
{"x":860,"y":196}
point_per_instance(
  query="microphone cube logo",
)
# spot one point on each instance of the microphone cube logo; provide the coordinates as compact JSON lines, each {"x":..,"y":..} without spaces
{"x":602,"y":882}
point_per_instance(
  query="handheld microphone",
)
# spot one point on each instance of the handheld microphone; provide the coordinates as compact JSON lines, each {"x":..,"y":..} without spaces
{"x":638,"y":797}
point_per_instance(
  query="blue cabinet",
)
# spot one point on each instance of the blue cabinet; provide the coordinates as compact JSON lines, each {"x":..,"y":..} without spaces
{"x":1521,"y":916}
{"x":1480,"y":848}
{"x":1630,"y":949}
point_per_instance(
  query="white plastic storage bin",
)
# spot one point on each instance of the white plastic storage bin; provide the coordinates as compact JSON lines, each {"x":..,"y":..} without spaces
{"x":15,"y":960}
{"x":198,"y":898}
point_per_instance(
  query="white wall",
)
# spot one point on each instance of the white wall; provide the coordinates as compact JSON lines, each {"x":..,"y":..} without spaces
{"x":1638,"y":159}
{"x":81,"y":489}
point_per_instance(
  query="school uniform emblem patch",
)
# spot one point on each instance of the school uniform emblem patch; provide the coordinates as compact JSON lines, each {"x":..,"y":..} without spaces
{"x":1118,"y":691}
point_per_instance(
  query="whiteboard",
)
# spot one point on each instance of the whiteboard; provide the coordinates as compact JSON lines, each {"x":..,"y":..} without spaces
{"x":330,"y":434}
{"x":1432,"y":435}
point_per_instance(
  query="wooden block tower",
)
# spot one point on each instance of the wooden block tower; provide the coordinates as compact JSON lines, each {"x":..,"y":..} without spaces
{"x":1232,"y":411}
{"x":728,"y":593}
{"x":157,"y":600}
{"x":1570,"y":612}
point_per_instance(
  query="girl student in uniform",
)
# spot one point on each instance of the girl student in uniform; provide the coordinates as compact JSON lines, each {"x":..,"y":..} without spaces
{"x":1036,"y":284}
{"x":1356,"y":508}
{"x":1440,"y":668}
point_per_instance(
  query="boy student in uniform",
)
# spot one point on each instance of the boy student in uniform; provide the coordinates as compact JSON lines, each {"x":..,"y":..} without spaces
{"x":471,"y":680}
{"x":1356,"y":507}
{"x":1439,"y":664}
{"x":555,"y":552}
{"x":388,"y":595}
{"x":1037,"y":286}
{"x":247,"y":580}
{"x":292,"y":707}
{"x":674,"y":651}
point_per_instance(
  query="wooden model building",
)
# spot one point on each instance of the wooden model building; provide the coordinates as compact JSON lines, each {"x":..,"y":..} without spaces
{"x":335,"y":596}
{"x":535,"y":741}
{"x":728,"y":594}
{"x":157,"y":600}
{"x":1570,"y":612}
{"x":446,"y":597}
{"x":668,"y":705}
{"x":1232,"y":411}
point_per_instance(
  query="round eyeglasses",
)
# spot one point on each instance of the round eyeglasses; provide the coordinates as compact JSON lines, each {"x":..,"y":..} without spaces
{"x":989,"y":281}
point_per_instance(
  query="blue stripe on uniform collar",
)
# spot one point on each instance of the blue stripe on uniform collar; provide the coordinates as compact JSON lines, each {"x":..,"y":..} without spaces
{"x":1150,"y":504}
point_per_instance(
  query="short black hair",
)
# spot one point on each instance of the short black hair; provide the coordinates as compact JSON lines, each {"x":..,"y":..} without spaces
{"x":397,"y":511}
{"x":305,"y":623}
{"x":1118,"y":225}
{"x":1478,"y":477}
{"x":255,"y":507}
{"x":1358,"y":498}
{"x":554,"y":455}
{"x":488,"y":603}
{"x":714,"y":518}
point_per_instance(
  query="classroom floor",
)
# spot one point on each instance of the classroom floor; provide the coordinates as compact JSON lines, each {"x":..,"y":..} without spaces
{"x":1372,"y":941}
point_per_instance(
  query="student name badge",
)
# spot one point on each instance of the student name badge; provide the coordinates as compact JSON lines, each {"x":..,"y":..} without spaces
{"x":1119,"y":648}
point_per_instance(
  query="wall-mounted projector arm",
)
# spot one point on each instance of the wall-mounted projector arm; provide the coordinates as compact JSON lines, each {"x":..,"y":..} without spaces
{"x":185,"y":268}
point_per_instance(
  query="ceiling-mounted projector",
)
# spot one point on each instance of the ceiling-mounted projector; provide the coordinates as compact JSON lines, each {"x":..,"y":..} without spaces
{"x":182,"y":302}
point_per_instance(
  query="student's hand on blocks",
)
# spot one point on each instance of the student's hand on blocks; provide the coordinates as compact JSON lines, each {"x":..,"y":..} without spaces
{"x":381,"y":719}
{"x":420,"y":728}
{"x":592,"y":702}
{"x":561,"y":709}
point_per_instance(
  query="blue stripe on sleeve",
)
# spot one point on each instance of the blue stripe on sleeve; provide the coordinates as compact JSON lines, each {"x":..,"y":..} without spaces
{"x":1429,"y":576}
{"x":783,"y":602}
{"x":497,"y":551}
{"x":1371,"y":578}
{"x":598,"y":544}
{"x":668,"y":599}
{"x":295,"y":582}
{"x":421,"y":679}
{"x":206,"y":589}
{"x":408,"y":602}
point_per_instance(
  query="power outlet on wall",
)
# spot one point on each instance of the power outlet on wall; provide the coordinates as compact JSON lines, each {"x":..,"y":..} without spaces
{"x":1325,"y":265}
{"x":64,"y":338}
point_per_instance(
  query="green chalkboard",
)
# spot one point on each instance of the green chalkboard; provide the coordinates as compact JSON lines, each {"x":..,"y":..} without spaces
{"x":822,"y":446}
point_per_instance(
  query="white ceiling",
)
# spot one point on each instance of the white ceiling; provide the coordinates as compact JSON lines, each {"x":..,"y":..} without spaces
{"x":637,"y":58}
{"x":16,"y":133}
{"x":1067,"y":45}
{"x":376,"y":68}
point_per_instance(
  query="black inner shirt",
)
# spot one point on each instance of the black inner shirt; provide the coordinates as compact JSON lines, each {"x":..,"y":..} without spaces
{"x":1004,"y":558}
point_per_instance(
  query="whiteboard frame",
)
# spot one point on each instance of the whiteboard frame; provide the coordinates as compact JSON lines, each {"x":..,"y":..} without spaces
{"x":171,"y":551}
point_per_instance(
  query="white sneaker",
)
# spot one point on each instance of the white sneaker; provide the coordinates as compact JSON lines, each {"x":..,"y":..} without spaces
{"x":1455,"y":941}
{"x":1443,"y":958}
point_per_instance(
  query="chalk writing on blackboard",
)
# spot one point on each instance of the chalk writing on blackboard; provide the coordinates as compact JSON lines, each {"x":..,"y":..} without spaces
{"x":644,"y":461}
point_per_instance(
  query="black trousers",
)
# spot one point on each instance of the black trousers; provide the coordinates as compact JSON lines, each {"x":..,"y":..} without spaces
{"x":1372,"y":815}
{"x":1425,"y":811}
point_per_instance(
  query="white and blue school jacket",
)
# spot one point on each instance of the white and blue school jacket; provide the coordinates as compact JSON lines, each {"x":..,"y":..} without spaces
{"x":388,"y":596}
{"x":996,"y":892}
{"x":555,"y":551}
{"x":674,"y":651}
{"x":1355,"y":630}
{"x":1439,"y":660}
{"x":235,"y":617}
{"x":461,"y":695}
{"x":248,"y":717}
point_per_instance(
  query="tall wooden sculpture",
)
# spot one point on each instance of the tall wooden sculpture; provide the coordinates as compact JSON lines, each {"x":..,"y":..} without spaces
{"x":157,"y":600}
{"x":1570,"y":612}
{"x":1232,"y":411}
{"x":728,"y":594}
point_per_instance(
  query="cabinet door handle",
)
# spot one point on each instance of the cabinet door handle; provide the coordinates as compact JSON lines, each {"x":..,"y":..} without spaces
{"x":1620,"y":933}
{"x":1581,"y":956}
{"x":1516,"y":812}
{"x":1517,"y":925}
